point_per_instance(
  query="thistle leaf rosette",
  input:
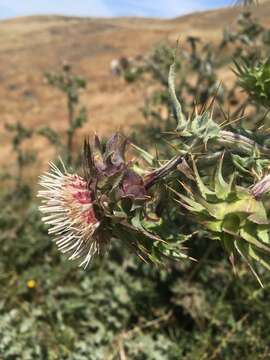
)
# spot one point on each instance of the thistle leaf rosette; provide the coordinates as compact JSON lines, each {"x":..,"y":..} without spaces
{"x":232,"y":215}
{"x":109,"y":201}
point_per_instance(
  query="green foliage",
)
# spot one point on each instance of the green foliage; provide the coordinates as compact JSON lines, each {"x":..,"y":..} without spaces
{"x":20,"y":133}
{"x":123,"y":305}
{"x":255,"y":80}
{"x":132,"y":74}
{"x":231,"y":215}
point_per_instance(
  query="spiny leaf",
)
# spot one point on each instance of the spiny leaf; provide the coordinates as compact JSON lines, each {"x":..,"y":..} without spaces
{"x":263,"y":234}
{"x":204,"y":190}
{"x":192,"y":204}
{"x":243,"y":250}
{"x":145,"y":154}
{"x":231,"y":224}
{"x":222,"y":189}
{"x":259,"y":257}
{"x":228,"y":242}
{"x":177,"y":106}
{"x":215,"y":225}
{"x":247,"y":233}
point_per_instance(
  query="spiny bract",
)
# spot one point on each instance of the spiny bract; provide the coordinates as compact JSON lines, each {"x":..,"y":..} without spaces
{"x":231,"y":214}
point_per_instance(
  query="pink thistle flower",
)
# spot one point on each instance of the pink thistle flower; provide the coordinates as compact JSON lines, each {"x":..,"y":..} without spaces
{"x":68,"y":209}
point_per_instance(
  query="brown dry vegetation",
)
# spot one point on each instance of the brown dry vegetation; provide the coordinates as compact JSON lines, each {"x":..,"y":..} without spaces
{"x":30,"y":46}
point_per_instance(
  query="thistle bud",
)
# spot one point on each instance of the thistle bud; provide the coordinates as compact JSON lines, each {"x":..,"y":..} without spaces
{"x":132,"y":186}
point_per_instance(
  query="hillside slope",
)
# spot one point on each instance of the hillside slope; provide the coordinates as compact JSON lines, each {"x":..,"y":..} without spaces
{"x":32,"y":45}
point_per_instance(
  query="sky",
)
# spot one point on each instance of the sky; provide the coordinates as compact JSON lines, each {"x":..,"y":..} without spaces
{"x":106,"y":8}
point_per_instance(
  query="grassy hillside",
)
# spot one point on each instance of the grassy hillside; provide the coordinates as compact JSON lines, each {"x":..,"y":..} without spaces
{"x":32,"y":45}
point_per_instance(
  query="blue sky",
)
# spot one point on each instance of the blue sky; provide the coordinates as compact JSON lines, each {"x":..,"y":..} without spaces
{"x":106,"y":8}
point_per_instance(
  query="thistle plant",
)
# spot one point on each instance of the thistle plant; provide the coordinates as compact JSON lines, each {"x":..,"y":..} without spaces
{"x":71,"y":85}
{"x":117,"y":199}
{"x":255,"y":80}
{"x":109,"y":201}
{"x":233,"y":215}
{"x":20,"y":134}
{"x":211,"y":172}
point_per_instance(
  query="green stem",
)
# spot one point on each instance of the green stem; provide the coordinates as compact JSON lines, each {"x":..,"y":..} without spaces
{"x":70,"y":132}
{"x":240,"y":143}
{"x":163,"y":171}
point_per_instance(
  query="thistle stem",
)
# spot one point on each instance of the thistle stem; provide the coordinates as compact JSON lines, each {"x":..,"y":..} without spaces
{"x":228,"y":139}
{"x":163,"y":171}
{"x":240,"y":143}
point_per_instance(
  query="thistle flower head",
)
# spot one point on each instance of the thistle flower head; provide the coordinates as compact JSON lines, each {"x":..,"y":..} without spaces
{"x":110,"y":201}
{"x":80,"y":210}
{"x":68,"y":209}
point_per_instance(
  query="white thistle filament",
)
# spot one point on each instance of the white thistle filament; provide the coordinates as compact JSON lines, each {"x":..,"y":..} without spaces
{"x":68,"y":209}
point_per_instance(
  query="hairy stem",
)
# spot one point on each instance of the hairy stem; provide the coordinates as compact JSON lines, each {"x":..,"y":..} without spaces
{"x":163,"y":171}
{"x":240,"y":143}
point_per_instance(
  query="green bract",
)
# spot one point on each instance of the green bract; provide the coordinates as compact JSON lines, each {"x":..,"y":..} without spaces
{"x":232,"y":215}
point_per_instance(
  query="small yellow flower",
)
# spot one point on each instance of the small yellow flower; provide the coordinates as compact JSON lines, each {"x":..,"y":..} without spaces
{"x":31,"y":284}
